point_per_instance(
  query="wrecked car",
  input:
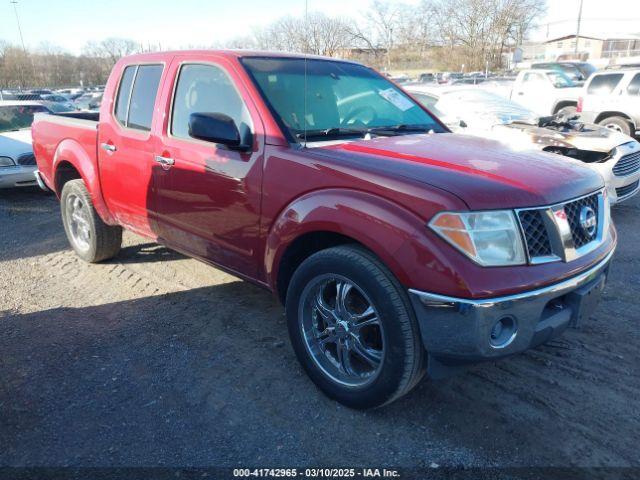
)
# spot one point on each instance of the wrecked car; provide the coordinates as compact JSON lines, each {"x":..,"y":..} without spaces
{"x":474,"y":111}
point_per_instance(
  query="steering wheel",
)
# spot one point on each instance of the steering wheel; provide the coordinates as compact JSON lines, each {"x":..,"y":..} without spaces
{"x":352,"y":116}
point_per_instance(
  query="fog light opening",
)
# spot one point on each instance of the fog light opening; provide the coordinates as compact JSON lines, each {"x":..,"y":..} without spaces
{"x":503,"y":332}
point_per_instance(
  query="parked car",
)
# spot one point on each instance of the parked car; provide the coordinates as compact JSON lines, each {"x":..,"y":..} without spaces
{"x":59,"y":99}
{"x":427,"y":78}
{"x":613,"y":155}
{"x":612,"y":99}
{"x":395,"y":245}
{"x":578,"y":72}
{"x":89,"y":101}
{"x":546,"y":92}
{"x":17,"y":162}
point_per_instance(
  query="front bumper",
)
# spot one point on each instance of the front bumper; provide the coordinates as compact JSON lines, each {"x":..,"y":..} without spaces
{"x":619,"y":188}
{"x":18,"y":176}
{"x":457,"y":331}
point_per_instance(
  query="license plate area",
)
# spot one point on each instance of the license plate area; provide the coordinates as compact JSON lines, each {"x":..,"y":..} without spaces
{"x":584,"y":300}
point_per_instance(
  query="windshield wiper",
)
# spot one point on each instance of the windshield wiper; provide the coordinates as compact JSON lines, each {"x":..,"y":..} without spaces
{"x":330,"y":132}
{"x":399,"y":129}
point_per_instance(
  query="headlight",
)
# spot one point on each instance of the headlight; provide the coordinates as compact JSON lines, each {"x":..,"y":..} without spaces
{"x":489,"y":238}
{"x":6,"y":162}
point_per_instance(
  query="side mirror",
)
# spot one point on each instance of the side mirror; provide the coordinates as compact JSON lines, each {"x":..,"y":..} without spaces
{"x":217,"y":128}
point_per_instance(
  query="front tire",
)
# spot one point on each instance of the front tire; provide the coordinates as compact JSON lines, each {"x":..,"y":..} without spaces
{"x":353,"y":328}
{"x":91,"y":238}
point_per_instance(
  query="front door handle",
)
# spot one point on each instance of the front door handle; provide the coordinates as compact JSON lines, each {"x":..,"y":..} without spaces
{"x":165,"y":161}
{"x":108,"y":147}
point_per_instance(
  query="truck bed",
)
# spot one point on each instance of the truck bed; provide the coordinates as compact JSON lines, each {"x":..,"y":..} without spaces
{"x":78,"y":131}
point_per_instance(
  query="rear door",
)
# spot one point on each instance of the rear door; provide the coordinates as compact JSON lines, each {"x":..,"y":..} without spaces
{"x":126,"y":148}
{"x":210,"y":195}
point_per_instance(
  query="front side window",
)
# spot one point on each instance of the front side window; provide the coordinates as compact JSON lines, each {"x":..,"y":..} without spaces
{"x":136,"y":96}
{"x":560,"y":80}
{"x":604,"y":84}
{"x":206,"y":89}
{"x":341,"y":97}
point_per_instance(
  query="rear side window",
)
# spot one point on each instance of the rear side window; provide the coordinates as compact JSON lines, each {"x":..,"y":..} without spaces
{"x":124,"y":93}
{"x":634,"y":86}
{"x":137,"y":96}
{"x":143,"y":96}
{"x":604,"y":84}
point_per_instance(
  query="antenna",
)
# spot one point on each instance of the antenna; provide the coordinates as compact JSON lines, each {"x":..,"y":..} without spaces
{"x":306,"y":26}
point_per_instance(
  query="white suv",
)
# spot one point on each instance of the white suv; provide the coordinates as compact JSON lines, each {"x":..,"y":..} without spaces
{"x":611,"y":98}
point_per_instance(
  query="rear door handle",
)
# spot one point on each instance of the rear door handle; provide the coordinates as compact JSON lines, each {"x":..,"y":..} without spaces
{"x":165,"y":161}
{"x":108,"y":147}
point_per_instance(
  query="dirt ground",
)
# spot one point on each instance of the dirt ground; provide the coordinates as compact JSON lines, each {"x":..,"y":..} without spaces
{"x":154,"y":359}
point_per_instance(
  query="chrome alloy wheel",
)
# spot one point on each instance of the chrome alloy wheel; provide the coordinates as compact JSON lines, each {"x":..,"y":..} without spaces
{"x":342,"y":330}
{"x":78,"y":220}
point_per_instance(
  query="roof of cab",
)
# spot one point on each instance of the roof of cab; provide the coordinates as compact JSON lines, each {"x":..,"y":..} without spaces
{"x":143,"y":57}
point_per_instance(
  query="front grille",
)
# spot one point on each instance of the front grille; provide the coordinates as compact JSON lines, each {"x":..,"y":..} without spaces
{"x":535,"y":233}
{"x":546,"y":230}
{"x":27,"y":159}
{"x":572,"y":209}
{"x":627,"y":165}
{"x":627,"y":189}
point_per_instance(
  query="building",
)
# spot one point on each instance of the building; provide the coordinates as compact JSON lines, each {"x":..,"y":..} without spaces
{"x":564,"y":48}
{"x":604,"y":49}
{"x":621,"y":46}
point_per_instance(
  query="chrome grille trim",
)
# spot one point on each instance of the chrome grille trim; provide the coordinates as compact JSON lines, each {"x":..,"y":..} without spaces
{"x":627,"y":158}
{"x":627,"y":165}
{"x":565,"y":242}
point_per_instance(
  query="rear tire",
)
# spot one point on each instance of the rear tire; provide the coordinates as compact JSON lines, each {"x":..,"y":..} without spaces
{"x":91,"y":238}
{"x":385,"y":358}
{"x":619,"y":124}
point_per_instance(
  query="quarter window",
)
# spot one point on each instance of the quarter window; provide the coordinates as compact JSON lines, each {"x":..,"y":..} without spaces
{"x":137,"y":96}
{"x":206,"y":89}
{"x":604,"y":84}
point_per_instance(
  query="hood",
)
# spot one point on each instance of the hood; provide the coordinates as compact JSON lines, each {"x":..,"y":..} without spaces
{"x":14,"y":144}
{"x":591,"y":137}
{"x":484,"y":173}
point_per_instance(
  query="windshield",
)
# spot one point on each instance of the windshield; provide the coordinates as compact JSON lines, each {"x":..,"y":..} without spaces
{"x":17,"y":117}
{"x":560,"y":80}
{"x":342,"y":98}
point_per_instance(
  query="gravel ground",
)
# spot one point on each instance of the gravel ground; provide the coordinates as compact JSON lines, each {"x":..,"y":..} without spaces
{"x":154,"y":359}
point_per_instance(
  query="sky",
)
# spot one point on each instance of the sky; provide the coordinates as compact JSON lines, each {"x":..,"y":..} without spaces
{"x":69,"y":24}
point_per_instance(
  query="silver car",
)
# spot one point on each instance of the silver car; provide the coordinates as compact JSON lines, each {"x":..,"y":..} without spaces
{"x":474,"y":111}
{"x":17,"y":162}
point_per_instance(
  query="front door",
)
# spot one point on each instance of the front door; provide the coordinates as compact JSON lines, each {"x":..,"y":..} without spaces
{"x":209,"y":195}
{"x":126,"y":148}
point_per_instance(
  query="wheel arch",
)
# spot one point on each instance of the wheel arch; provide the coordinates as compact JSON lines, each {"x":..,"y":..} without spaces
{"x":613,"y":113}
{"x":71,"y":161}
{"x":560,"y":104}
{"x":332,"y":217}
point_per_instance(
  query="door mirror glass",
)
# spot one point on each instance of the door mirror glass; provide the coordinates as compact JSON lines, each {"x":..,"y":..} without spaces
{"x":217,"y":128}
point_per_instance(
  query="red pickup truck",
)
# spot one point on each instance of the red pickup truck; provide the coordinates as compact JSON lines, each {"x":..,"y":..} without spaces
{"x":397,"y":247}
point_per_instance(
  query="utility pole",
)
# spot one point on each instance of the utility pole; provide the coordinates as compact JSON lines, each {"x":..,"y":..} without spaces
{"x":15,"y":10}
{"x":578,"y":29}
